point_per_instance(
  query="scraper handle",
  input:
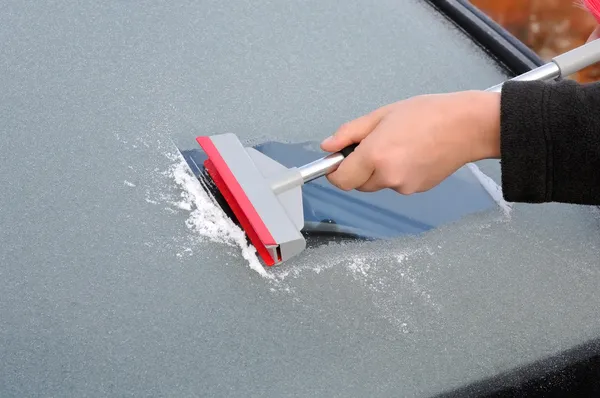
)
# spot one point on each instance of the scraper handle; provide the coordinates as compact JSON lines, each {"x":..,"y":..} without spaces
{"x":348,"y":150}
{"x":325,"y":165}
{"x":561,"y":65}
{"x":578,"y":58}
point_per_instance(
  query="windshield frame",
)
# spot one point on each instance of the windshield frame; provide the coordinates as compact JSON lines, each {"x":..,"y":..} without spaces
{"x":488,"y":34}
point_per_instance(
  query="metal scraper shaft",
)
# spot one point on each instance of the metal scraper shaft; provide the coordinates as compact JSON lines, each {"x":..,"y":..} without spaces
{"x":325,"y":165}
{"x":320,"y":167}
{"x":561,"y":65}
{"x":297,"y":176}
{"x":547,"y":71}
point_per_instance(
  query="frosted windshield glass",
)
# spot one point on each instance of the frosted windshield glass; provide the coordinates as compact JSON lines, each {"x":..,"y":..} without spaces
{"x":120,"y":276}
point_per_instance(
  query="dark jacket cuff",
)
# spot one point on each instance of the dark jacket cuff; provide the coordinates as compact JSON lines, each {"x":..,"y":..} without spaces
{"x":550,"y":142}
{"x":524,"y":146}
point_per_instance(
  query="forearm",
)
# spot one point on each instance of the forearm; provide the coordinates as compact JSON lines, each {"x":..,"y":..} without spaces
{"x":550,"y":142}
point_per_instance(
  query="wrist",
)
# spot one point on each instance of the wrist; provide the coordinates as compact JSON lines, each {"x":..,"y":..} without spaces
{"x":485,"y":132}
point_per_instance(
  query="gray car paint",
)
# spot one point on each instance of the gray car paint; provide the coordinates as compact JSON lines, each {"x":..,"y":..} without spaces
{"x":105,"y":291}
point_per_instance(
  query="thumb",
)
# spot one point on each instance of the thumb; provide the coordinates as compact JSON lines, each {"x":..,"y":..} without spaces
{"x":354,"y":131}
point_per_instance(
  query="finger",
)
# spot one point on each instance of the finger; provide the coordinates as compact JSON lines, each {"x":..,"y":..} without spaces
{"x":375,"y":183}
{"x":353,"y":172}
{"x":354,"y":131}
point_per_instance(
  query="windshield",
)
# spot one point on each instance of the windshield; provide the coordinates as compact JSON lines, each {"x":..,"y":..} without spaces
{"x":120,"y":275}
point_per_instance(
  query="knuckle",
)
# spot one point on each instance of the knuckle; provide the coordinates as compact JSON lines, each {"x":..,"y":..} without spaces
{"x":393,"y":180}
{"x":402,"y":190}
{"x":397,"y":182}
{"x":339,"y":181}
{"x":366,"y":155}
{"x":344,"y":185}
{"x":406,"y":189}
{"x":377,"y":159}
{"x":370,"y":186}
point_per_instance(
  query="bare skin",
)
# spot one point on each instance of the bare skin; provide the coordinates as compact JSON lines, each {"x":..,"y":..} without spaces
{"x":412,"y":145}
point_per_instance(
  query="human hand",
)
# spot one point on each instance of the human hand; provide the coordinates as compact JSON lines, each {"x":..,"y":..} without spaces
{"x":412,"y":145}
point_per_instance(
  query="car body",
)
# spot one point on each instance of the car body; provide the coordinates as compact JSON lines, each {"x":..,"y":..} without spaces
{"x":119,"y":277}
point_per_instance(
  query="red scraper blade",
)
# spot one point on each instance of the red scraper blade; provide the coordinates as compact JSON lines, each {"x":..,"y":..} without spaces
{"x":240,"y":205}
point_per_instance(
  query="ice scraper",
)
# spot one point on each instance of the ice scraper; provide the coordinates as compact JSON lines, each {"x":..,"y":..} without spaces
{"x":266,"y":197}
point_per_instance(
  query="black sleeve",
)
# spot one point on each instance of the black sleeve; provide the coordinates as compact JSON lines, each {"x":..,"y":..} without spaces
{"x":550,"y":142}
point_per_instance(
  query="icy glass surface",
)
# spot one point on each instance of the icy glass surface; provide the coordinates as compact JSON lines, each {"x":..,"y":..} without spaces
{"x":119,"y":275}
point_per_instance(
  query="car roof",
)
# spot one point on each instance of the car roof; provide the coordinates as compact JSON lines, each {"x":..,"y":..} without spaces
{"x":119,"y":276}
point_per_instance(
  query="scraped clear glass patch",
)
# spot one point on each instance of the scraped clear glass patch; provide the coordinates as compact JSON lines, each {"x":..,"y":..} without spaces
{"x":361,"y":215}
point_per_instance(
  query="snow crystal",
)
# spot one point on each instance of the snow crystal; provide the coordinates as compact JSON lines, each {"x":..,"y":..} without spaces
{"x":491,"y":187}
{"x":208,"y":220}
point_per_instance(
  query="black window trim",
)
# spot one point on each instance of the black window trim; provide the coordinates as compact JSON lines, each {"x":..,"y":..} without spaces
{"x":495,"y":39}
